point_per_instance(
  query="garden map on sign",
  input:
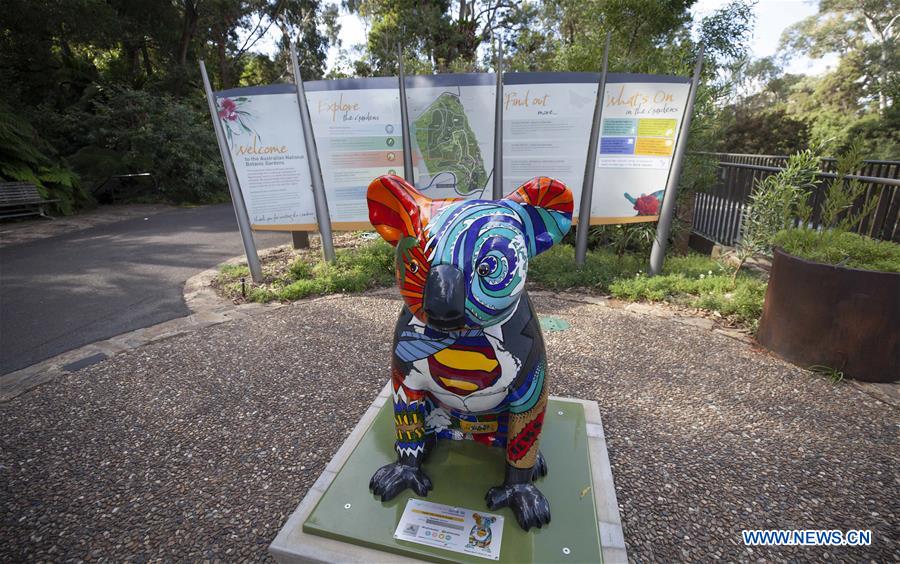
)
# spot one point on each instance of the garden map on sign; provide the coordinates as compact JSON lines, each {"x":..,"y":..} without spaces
{"x":448,"y":144}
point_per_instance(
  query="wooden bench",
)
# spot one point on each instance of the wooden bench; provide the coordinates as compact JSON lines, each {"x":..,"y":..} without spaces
{"x":21,"y":198}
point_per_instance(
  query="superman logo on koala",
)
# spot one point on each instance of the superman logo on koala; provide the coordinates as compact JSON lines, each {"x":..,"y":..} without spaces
{"x":469,"y":359}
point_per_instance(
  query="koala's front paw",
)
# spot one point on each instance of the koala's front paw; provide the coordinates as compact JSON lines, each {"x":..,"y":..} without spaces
{"x":392,"y":479}
{"x":526,"y":501}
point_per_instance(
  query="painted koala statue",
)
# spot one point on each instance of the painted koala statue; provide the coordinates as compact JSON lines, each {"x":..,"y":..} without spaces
{"x":469,"y":359}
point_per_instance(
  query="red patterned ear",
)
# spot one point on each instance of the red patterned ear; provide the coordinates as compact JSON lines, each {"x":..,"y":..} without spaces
{"x":547,"y":206}
{"x":547,"y":193}
{"x":395,"y":208}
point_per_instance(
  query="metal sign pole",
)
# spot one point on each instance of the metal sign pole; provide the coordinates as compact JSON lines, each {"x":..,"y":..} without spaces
{"x":664,"y":226}
{"x":323,"y":219}
{"x":498,"y":126}
{"x":404,"y":122}
{"x":587,"y":186}
{"x":237,"y":199}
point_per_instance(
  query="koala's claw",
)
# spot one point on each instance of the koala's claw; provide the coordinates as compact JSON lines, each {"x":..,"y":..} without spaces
{"x":540,"y":467}
{"x":393,"y":478}
{"x":527,"y":502}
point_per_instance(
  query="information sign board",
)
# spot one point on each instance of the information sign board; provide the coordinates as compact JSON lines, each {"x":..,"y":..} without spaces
{"x":356,"y":123}
{"x":263,"y":133}
{"x":641,"y":118}
{"x":452,"y":133}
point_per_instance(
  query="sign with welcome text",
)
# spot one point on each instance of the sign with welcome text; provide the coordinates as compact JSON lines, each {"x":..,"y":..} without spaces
{"x":641,"y":118}
{"x":264,"y":136}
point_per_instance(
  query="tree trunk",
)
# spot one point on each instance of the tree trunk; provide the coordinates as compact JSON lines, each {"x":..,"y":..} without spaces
{"x":882,"y":37}
{"x":224,"y":79}
{"x":191,"y":17}
{"x":132,"y":54}
{"x":148,"y":66}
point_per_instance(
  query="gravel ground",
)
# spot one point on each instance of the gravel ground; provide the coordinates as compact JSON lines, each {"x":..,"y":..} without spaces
{"x":199,"y":447}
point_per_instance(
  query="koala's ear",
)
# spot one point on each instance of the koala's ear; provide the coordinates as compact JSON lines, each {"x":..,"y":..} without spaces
{"x":548,"y":205}
{"x":395,"y":208}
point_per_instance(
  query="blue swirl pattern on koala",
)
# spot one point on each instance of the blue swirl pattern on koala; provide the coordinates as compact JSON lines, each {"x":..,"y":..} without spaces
{"x":486,"y":240}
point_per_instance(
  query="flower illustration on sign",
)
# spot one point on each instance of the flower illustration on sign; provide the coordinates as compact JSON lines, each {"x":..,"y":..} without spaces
{"x":646,"y":204}
{"x":234,"y":117}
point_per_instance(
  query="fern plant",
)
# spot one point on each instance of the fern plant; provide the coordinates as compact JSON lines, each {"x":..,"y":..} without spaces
{"x":24,"y":158}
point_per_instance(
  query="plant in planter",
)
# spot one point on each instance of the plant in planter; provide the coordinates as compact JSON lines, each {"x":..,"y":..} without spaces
{"x":777,"y":202}
{"x":833,"y":297}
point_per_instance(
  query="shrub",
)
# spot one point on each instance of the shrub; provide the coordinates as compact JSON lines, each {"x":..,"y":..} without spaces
{"x":776,"y":203}
{"x":841,"y":248}
{"x":128,"y":131}
{"x":26,"y":157}
{"x":555,"y":269}
{"x":354,"y":270}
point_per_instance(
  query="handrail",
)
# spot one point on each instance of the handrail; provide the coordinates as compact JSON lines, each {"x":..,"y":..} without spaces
{"x":867,"y":179}
{"x":716,"y":154}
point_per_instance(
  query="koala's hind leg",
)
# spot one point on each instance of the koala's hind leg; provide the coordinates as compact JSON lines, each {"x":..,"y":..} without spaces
{"x":522,"y":463}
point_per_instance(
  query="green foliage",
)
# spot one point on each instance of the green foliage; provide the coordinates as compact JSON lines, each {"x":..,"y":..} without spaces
{"x":764,"y":131}
{"x":555,"y":269}
{"x":354,"y":270}
{"x":634,"y":237}
{"x":115,"y":85}
{"x":234,"y":270}
{"x":776,"y":203}
{"x":26,"y":157}
{"x":843,"y":193}
{"x":130,"y":131}
{"x":740,"y":299}
{"x":853,"y":103}
{"x":691,"y":280}
{"x":840,"y":248}
{"x":834,"y":375}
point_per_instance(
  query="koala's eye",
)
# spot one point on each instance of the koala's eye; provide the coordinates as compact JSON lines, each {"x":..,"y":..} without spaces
{"x":413,"y":266}
{"x":486,"y":267}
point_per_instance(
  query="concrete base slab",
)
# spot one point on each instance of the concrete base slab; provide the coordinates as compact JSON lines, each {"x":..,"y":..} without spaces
{"x":294,"y":544}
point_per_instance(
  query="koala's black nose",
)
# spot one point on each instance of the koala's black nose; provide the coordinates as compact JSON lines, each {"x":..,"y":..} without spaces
{"x":445,"y":297}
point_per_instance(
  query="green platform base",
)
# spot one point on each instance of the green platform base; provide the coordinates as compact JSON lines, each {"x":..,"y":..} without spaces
{"x":341,"y":520}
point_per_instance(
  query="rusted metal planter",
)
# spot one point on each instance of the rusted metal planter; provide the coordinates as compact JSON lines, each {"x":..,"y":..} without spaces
{"x":843,"y":318}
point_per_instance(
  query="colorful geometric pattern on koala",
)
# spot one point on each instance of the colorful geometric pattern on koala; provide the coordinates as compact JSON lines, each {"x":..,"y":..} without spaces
{"x":491,"y":238}
{"x":485,"y":241}
{"x":491,"y":242}
{"x":413,"y":346}
{"x":467,"y":366}
{"x":549,"y":209}
{"x":527,"y":394}
{"x":524,"y":436}
{"x":409,"y":419}
{"x":399,"y":213}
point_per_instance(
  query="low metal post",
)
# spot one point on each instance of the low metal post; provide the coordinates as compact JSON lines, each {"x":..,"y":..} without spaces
{"x":664,"y":226}
{"x":323,"y":218}
{"x":237,"y":199}
{"x":587,"y":186}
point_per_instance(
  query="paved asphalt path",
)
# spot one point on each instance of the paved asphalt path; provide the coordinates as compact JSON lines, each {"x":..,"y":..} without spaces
{"x":63,"y":292}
